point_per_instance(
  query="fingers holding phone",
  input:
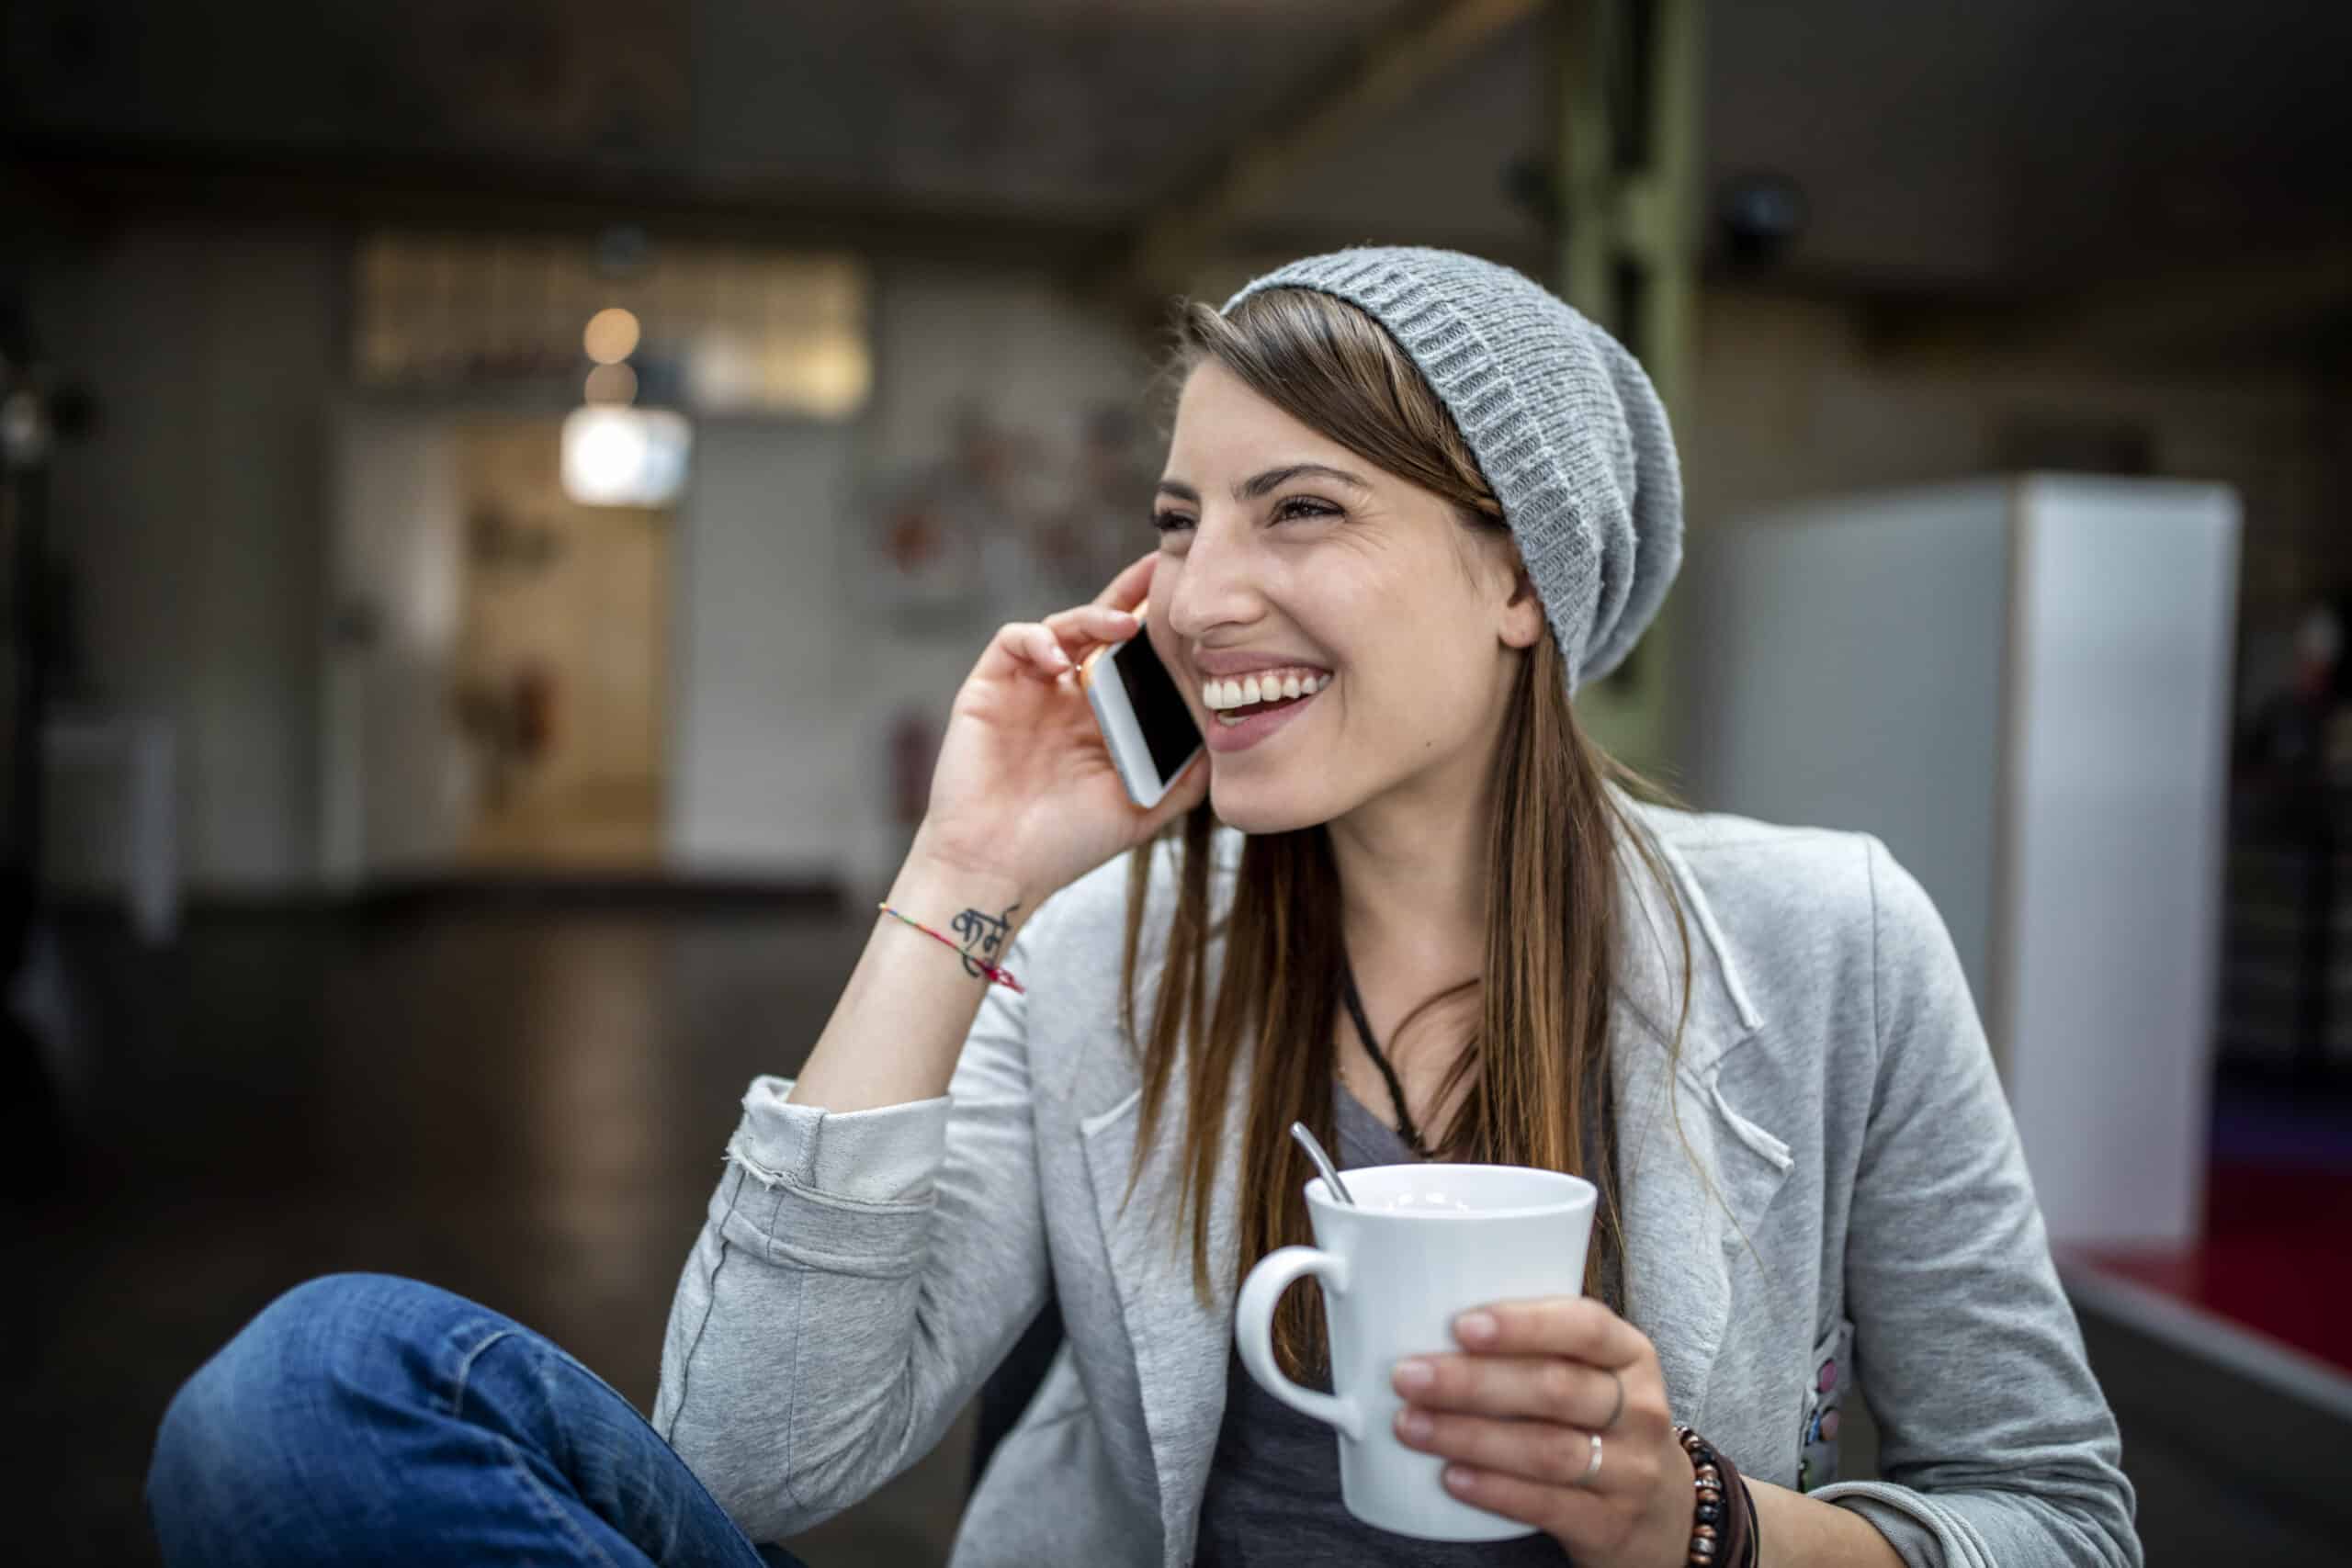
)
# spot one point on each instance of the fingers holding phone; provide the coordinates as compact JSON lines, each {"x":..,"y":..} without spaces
{"x":1088,"y":629}
{"x":1039,"y":788}
{"x":1056,"y":645}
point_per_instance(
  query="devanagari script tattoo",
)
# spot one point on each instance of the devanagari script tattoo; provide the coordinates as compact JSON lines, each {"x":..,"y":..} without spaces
{"x":982,"y":933}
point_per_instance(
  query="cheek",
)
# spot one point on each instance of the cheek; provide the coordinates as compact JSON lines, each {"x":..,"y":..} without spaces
{"x":1414,"y":705}
{"x":1400,"y":687}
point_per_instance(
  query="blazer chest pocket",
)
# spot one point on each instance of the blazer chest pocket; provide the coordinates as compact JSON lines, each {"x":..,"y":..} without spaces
{"x":1826,"y":1382}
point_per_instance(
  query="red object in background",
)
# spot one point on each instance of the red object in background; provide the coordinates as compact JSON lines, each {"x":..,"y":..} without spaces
{"x":2276,"y":1257}
{"x":913,"y":539}
{"x":533,"y":711}
{"x":913,"y":752}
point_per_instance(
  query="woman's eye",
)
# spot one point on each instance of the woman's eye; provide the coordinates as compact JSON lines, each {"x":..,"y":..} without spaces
{"x":1297,"y":506}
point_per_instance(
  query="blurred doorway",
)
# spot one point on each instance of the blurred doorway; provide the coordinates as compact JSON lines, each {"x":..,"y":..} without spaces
{"x":497,"y":659}
{"x":394,"y":787}
{"x":560,"y":665}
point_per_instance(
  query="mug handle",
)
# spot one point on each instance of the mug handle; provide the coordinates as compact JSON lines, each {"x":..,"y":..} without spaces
{"x":1253,"y":1330}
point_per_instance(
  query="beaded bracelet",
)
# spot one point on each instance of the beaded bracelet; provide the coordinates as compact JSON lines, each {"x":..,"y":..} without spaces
{"x":985,"y":929}
{"x":1723,"y":1528}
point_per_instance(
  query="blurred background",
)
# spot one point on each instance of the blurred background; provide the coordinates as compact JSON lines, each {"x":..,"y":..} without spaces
{"x":497,"y":499}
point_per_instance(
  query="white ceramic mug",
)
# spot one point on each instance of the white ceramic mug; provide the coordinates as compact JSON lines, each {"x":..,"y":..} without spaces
{"x":1393,"y":1279}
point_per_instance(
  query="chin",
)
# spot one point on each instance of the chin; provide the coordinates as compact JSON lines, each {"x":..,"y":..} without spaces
{"x":1273,"y":805}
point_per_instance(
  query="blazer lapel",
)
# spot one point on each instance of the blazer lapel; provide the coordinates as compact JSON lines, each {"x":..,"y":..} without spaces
{"x":1181,"y":1345}
{"x":1694,"y":1176}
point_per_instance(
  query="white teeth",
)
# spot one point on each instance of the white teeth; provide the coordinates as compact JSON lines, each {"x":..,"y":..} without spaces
{"x":1218,"y":695}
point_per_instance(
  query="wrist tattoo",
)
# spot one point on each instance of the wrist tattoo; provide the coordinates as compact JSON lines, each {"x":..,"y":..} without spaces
{"x":982,"y":933}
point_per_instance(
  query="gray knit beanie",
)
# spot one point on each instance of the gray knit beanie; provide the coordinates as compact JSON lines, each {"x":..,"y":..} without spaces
{"x":1563,"y":422}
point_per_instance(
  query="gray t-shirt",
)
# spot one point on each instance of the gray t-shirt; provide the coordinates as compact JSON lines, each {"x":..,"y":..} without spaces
{"x":1274,"y":1487}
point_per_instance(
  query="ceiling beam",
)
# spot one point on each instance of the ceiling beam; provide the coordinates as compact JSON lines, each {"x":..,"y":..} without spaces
{"x":90,"y":185}
{"x":1185,"y":226}
{"x":2182,"y":310}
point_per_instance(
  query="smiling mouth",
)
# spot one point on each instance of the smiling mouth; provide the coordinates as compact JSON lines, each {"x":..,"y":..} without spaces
{"x":1243,"y":727}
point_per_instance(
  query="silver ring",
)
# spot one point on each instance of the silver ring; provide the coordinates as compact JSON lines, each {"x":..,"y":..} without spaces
{"x":1620,"y":1409}
{"x":1594,"y":1467}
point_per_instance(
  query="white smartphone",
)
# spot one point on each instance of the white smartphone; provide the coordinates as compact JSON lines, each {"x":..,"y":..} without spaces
{"x":1149,"y":730}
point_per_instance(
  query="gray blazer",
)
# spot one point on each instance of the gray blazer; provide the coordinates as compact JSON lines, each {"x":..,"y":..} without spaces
{"x":1844,"y":1205}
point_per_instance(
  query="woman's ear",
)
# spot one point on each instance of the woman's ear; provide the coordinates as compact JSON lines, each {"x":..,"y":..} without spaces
{"x":1522,"y":615}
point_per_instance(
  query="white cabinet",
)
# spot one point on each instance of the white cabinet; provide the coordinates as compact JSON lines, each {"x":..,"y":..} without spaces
{"x":2022,"y":686}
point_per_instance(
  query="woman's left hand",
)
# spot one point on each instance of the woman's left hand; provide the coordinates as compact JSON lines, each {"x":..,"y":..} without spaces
{"x":1515,"y":1416}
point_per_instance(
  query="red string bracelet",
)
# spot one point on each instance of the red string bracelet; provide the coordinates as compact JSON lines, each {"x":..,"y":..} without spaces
{"x":974,"y":926}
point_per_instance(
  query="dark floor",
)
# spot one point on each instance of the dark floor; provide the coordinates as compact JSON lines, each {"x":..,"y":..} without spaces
{"x":522,"y":1103}
{"x":525,"y":1102}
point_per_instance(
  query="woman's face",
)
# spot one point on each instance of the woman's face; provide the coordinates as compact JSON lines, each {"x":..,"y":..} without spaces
{"x":1284,"y":556}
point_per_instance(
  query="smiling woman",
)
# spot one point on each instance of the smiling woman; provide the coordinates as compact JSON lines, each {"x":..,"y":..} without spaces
{"x":1412,"y":503}
{"x":1393,"y":573}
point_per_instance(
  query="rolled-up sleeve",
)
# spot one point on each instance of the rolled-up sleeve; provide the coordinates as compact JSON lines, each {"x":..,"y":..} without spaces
{"x":857,"y":1275}
{"x":1996,"y":1445}
{"x":869,"y":1156}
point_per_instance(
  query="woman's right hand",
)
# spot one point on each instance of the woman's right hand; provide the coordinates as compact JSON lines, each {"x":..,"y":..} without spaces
{"x":1024,"y":792}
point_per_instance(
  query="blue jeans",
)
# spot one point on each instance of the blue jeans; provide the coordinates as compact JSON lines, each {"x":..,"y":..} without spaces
{"x":362,"y":1418}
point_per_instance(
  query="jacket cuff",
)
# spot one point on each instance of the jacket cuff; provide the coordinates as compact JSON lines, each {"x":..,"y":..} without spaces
{"x":889,"y":1155}
{"x":1922,"y":1533}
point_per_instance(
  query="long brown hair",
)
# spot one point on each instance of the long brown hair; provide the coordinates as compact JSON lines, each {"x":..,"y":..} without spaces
{"x":1534,"y":1080}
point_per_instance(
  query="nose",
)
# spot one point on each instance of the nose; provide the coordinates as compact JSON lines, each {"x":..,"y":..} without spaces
{"x":1215,"y":584}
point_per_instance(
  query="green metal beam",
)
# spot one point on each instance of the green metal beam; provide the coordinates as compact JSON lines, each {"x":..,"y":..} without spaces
{"x":1629,"y":103}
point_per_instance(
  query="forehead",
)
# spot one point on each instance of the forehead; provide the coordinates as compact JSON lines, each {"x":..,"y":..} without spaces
{"x":1222,"y":425}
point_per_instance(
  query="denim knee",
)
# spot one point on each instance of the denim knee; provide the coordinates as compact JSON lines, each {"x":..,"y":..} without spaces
{"x":285,"y":1390}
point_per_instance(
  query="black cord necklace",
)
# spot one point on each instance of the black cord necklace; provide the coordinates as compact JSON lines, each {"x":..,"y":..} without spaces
{"x":1405,"y":1128}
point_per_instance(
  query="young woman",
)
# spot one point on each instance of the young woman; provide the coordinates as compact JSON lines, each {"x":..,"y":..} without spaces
{"x":1412,"y":502}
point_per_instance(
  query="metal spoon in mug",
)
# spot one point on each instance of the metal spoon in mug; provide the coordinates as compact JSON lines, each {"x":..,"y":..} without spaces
{"x":1323,"y":1166}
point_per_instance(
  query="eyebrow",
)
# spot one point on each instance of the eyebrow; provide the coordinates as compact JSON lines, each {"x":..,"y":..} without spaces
{"x":1261,"y":484}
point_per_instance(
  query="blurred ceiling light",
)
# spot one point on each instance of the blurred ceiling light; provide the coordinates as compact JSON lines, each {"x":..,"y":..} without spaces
{"x":612,"y":384}
{"x":611,"y":336}
{"x":620,"y":456}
